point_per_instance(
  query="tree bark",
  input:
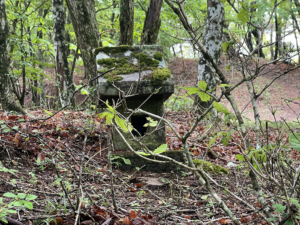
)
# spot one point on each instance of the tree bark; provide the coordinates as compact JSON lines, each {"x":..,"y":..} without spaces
{"x":249,"y":41}
{"x":152,"y":23}
{"x":126,"y":22}
{"x":6,"y":98}
{"x":278,"y":43}
{"x":271,"y":47}
{"x":42,"y":96}
{"x":256,"y":34}
{"x":84,"y":22}
{"x":61,"y":53}
{"x":213,"y":44}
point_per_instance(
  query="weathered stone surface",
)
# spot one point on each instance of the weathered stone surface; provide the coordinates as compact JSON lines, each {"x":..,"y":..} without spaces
{"x":145,"y":88}
{"x":145,"y":79}
{"x":137,"y":161}
{"x":152,"y":141}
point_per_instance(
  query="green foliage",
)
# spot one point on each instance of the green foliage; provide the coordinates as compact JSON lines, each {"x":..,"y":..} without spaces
{"x":200,"y":91}
{"x":294,"y":140}
{"x":158,"y":150}
{"x":179,"y":103}
{"x":4,"y":169}
{"x":5,"y":211}
{"x":111,"y":117}
{"x":243,"y":16}
{"x":116,"y":158}
{"x":20,"y":200}
{"x":220,"y":108}
{"x":151,"y":123}
{"x":210,"y":167}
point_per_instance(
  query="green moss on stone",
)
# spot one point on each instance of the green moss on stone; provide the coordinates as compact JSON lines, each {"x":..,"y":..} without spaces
{"x":159,"y":75}
{"x":158,"y":56}
{"x":113,"y":78}
{"x":108,"y":62}
{"x":210,"y":167}
{"x":146,"y":60}
{"x":114,"y":50}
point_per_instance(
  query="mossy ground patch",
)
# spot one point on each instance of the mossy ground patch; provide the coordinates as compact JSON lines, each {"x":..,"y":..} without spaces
{"x":210,"y":167}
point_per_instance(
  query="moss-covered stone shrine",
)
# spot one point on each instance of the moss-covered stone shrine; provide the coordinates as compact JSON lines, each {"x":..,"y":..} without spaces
{"x":140,"y":72}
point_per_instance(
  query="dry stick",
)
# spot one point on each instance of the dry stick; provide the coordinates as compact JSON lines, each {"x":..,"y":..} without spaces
{"x":79,"y":206}
{"x":109,"y":146}
{"x":80,"y":175}
{"x":25,"y":218}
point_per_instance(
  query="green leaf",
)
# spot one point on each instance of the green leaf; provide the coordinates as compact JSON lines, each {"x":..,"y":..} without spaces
{"x":31,"y":197}
{"x":225,"y":138}
{"x":240,"y":157}
{"x":21,"y":195}
{"x":289,"y":222}
{"x":203,"y":96}
{"x":15,"y":128}
{"x":279,"y":208}
{"x":11,"y":211}
{"x":143,"y":153}
{"x":123,"y":124}
{"x":202,"y":84}
{"x":6,"y":130}
{"x":223,"y":85}
{"x":220,"y":108}
{"x":295,"y":201}
{"x":161,"y":149}
{"x":108,"y":116}
{"x":243,"y":16}
{"x":228,"y":67}
{"x":212,"y":140}
{"x":272,"y":219}
{"x":28,"y":205}
{"x":49,"y":113}
{"x":84,"y":91}
{"x":9,"y":195}
{"x":293,"y":139}
{"x":126,"y":161}
{"x":225,"y":46}
{"x":4,"y":220}
{"x":191,"y":90}
{"x":110,"y":108}
{"x":152,"y":123}
{"x":18,"y":203}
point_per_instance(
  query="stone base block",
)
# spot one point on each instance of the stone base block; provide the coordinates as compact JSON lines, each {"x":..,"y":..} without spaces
{"x":150,"y":166}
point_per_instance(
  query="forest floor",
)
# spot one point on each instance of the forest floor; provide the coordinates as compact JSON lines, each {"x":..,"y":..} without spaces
{"x":29,"y":150}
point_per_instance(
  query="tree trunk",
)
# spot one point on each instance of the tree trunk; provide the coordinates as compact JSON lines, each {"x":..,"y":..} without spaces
{"x":112,"y":31}
{"x":249,"y":41}
{"x":297,"y":46}
{"x":84,"y":22}
{"x":152,"y":23}
{"x":61,"y":53}
{"x":6,"y":98}
{"x":271,"y":46}
{"x":126,"y":22}
{"x":213,"y":44}
{"x":34,"y":81}
{"x":256,"y":34}
{"x":278,"y":43}
{"x":42,"y":97}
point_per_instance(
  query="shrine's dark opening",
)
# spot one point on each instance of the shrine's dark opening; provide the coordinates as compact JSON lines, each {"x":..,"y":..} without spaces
{"x":138,"y":123}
